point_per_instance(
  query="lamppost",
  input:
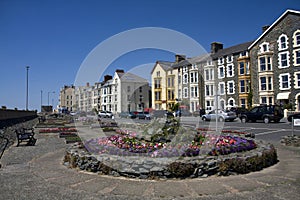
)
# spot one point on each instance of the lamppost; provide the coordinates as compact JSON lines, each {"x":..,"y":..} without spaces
{"x":27,"y":69}
{"x":48,"y":96}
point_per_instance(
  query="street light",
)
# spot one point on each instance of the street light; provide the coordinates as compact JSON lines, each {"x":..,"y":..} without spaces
{"x":48,"y":96}
{"x":27,"y":69}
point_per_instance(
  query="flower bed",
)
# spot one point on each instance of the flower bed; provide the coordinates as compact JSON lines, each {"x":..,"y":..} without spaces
{"x":57,"y":130}
{"x":128,"y":143}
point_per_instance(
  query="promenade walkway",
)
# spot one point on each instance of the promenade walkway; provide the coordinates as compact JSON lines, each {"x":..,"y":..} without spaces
{"x":36,"y":172}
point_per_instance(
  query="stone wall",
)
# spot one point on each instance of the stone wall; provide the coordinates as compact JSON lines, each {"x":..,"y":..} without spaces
{"x":161,"y":168}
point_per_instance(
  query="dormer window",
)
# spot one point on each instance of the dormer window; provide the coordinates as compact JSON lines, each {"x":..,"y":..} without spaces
{"x":221,"y":61}
{"x":229,"y":58}
{"x":264,"y":47}
{"x":282,"y":42}
{"x":243,"y":54}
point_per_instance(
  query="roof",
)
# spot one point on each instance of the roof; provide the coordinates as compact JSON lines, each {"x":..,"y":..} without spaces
{"x":129,"y":77}
{"x":232,"y":50}
{"x":193,"y":60}
{"x":274,"y":24}
{"x":166,"y":65}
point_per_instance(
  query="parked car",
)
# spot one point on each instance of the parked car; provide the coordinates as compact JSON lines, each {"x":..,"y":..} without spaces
{"x":130,"y":115}
{"x":295,"y":116}
{"x":105,"y":114}
{"x":221,"y":115}
{"x":238,"y":110}
{"x":266,"y":113}
{"x":143,"y":115}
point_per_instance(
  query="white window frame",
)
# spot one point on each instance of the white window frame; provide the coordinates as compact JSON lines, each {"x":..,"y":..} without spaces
{"x":229,"y":59}
{"x":228,"y":71}
{"x":185,"y":92}
{"x":228,"y":87}
{"x":280,"y":81}
{"x":219,"y":72}
{"x":296,"y":80}
{"x":268,"y":63}
{"x":222,"y":92}
{"x":279,"y":42}
{"x":185,"y":78}
{"x":295,"y":57}
{"x":261,"y":47}
{"x":295,"y":36}
{"x":220,"y":61}
{"x":245,"y":86}
{"x":231,"y":99}
{"x":280,"y":59}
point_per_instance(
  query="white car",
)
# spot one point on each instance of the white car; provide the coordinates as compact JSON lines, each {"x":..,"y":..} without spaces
{"x":105,"y":114}
{"x":221,"y":115}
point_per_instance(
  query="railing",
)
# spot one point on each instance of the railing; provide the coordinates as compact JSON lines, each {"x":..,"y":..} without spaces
{"x":3,"y":143}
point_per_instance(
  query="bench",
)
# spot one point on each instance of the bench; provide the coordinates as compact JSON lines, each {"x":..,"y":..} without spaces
{"x":27,"y":135}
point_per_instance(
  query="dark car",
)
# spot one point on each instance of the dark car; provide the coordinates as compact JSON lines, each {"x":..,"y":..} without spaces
{"x":266,"y":113}
{"x":293,"y":116}
{"x":238,"y":110}
{"x":143,"y":115}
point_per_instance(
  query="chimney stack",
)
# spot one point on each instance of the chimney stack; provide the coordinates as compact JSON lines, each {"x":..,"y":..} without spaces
{"x":179,"y":58}
{"x":215,"y":47}
{"x":107,"y":78}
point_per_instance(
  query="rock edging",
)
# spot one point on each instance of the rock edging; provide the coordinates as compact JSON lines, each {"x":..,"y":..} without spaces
{"x":202,"y":166}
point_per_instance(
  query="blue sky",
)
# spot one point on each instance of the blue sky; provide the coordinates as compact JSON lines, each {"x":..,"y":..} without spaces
{"x":54,"y":37}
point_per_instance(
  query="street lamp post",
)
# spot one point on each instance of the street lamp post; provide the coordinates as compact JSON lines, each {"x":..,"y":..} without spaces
{"x":48,"y":96}
{"x":27,"y":69}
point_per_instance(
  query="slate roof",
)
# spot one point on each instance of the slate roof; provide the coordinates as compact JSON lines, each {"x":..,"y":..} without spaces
{"x":129,"y":77}
{"x":231,"y":50}
{"x":192,"y":60}
{"x":274,"y":24}
{"x":166,"y":65}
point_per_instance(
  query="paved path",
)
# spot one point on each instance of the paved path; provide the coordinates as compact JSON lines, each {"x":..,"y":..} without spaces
{"x":37,"y":173}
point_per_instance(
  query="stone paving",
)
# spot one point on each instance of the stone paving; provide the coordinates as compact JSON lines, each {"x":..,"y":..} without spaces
{"x":36,"y":172}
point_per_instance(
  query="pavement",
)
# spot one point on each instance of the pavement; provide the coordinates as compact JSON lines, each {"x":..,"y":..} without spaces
{"x":37,"y":172}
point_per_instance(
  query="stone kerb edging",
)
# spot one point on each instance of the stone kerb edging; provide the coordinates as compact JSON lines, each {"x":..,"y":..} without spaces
{"x":263,"y":156}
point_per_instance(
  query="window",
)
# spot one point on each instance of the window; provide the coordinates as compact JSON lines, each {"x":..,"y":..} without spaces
{"x":270,"y":84}
{"x":264,"y":47}
{"x":263,"y":83}
{"x":192,"y":91}
{"x":242,"y":68}
{"x":128,"y":88}
{"x":116,"y":98}
{"x":265,"y":63}
{"x":230,"y":87}
{"x":196,"y":77}
{"x":297,"y":57}
{"x":284,"y":81}
{"x":185,"y":93}
{"x":158,"y":73}
{"x":297,"y":80}
{"x":242,"y":86}
{"x":221,"y":61}
{"x":296,"y":38}
{"x":185,"y":78}
{"x":209,"y":74}
{"x":283,"y":59}
{"x":179,"y":79}
{"x":263,"y":100}
{"x":244,"y":53}
{"x":282,"y":42}
{"x":243,"y":103}
{"x":171,"y":94}
{"x":247,"y":68}
{"x":230,"y":70}
{"x":221,"y":72}
{"x":192,"y":77}
{"x":229,"y":59}
{"x":196,"y":91}
{"x":157,"y":96}
{"x":231,"y":102}
{"x":156,"y":83}
{"x":179,"y":93}
{"x":209,"y":90}
{"x":222,"y":88}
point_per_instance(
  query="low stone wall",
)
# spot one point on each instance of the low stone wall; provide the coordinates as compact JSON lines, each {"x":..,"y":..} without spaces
{"x":9,"y":132}
{"x":291,"y":140}
{"x":263,"y":156}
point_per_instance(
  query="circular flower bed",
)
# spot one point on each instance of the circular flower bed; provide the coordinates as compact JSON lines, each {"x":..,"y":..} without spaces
{"x":127,"y":143}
